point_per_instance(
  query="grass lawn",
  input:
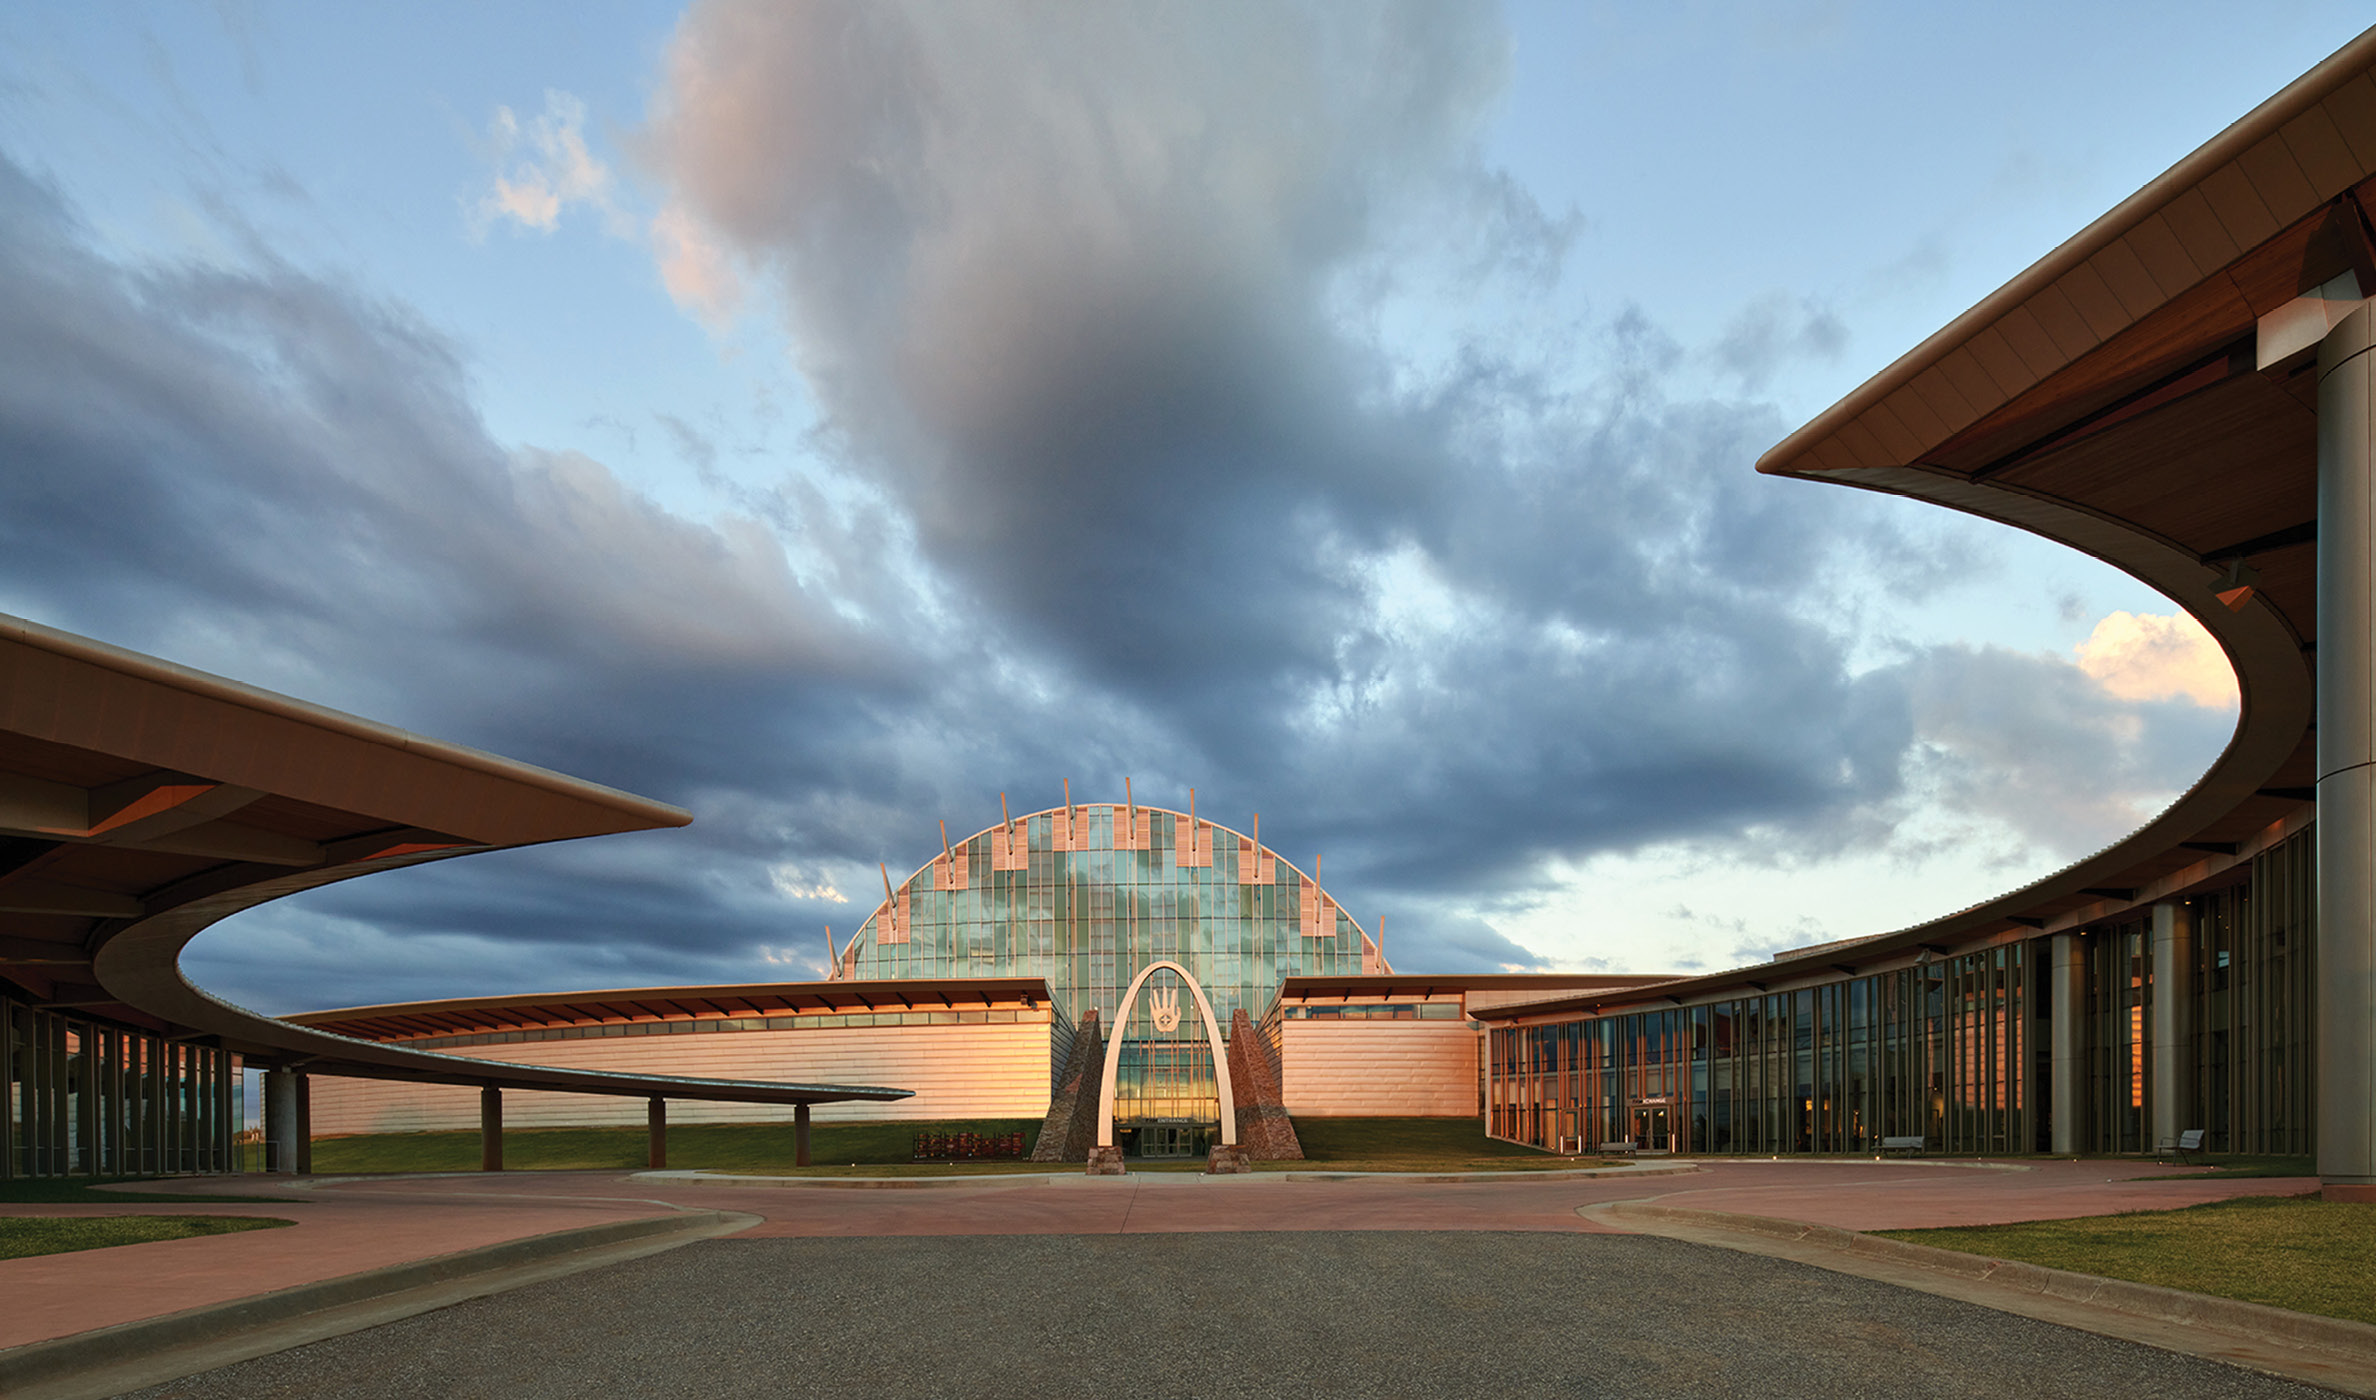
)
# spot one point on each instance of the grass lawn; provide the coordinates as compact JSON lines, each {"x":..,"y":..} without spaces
{"x":1411,"y":1145}
{"x":763,"y":1148}
{"x":883,"y":1149}
{"x":2298,"y":1252}
{"x":24,"y":1236}
{"x":2245,"y":1164}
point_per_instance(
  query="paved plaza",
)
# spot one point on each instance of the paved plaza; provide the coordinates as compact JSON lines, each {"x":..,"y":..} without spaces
{"x":1154,"y":1284}
{"x":1308,"y":1313}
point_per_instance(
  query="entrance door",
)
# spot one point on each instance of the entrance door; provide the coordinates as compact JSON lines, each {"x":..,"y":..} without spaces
{"x":1166,"y":1140}
{"x":1650,"y":1128}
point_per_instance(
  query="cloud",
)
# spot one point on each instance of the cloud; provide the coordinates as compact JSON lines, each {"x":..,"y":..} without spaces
{"x":1118,"y":472}
{"x":699,"y":275}
{"x":544,"y":168}
{"x":2144,"y":656}
{"x":1069,"y":291}
{"x":1773,"y":332}
{"x":2040,"y":749}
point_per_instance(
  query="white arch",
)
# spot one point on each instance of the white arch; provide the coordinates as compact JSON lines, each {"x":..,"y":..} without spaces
{"x":1113,"y":1059}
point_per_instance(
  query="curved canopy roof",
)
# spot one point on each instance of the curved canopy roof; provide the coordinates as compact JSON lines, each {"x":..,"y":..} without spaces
{"x":2145,"y":393}
{"x":140,"y":802}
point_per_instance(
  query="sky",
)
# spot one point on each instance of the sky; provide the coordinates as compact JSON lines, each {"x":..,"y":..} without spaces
{"x":831,"y":417}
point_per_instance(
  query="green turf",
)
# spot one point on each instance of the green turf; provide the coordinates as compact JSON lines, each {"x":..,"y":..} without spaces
{"x":884,"y":1149}
{"x":2239,"y":1164}
{"x":1410,"y":1145}
{"x":719,"y":1147}
{"x":24,"y":1236}
{"x":78,"y":1190}
{"x":2297,"y":1252}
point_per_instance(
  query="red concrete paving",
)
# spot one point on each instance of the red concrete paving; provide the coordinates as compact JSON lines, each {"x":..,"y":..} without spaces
{"x":347,"y":1227}
{"x":338,"y":1232}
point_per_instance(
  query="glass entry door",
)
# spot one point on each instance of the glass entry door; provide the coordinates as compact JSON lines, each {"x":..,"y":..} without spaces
{"x":1650,"y":1128}
{"x":1167,"y":1140}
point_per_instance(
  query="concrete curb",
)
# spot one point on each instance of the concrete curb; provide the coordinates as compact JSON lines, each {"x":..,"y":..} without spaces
{"x":2245,"y":1325}
{"x":101,"y":1361}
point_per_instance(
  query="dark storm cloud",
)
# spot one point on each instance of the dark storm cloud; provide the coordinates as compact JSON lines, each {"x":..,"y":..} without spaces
{"x":1074,"y":290}
{"x":1124,"y":483}
{"x":257,"y":472}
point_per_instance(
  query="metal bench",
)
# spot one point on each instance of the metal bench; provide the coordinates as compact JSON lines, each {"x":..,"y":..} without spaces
{"x":1619,"y":1147}
{"x":1908,"y":1146}
{"x":2189,"y":1146}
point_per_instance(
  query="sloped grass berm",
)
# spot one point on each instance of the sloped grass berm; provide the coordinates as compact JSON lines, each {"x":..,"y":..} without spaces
{"x":885,"y":1149}
{"x":719,"y":1147}
{"x":1410,"y":1145}
{"x":2299,"y":1253}
{"x":22,"y":1237}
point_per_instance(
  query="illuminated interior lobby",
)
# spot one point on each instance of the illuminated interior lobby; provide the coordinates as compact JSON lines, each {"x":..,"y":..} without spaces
{"x":2185,"y":390}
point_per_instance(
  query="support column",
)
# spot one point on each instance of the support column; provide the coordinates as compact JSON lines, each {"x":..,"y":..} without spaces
{"x":280,"y":1122}
{"x":304,"y":1123}
{"x":2066,"y":1003}
{"x":800,"y":1135}
{"x":2344,"y":1060}
{"x":656,"y":1133}
{"x":490,"y":1128}
{"x":2172,"y":1033}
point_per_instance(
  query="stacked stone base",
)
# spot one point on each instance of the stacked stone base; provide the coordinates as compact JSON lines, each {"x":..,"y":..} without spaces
{"x":1105,"y":1161}
{"x":1228,"y":1161}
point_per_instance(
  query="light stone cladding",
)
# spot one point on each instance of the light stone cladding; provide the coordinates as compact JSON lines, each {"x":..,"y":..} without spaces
{"x":1378,"y":1068}
{"x":995,"y":1070}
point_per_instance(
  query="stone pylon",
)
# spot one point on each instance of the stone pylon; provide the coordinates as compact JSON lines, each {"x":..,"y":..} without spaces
{"x":1070,"y":1129}
{"x":1264,"y":1130}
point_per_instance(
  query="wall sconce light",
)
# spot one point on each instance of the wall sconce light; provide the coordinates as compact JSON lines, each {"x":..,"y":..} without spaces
{"x":2236,"y":587}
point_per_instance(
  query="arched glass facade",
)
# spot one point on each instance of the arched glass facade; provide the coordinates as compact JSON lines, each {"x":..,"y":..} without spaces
{"x":1088,"y":896}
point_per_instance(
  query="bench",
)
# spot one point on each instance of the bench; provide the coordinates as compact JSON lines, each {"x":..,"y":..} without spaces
{"x":2189,"y":1146}
{"x":1620,"y":1147}
{"x":1910,"y":1146}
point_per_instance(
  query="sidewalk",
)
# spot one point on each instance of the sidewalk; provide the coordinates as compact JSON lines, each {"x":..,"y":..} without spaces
{"x":339,"y":1231}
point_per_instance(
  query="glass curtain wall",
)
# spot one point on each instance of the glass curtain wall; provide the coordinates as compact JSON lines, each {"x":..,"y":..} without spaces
{"x":2253,"y":1000}
{"x":1954,"y":1049}
{"x":1090,"y":919}
{"x":1939,"y":1050}
{"x":86,"y":1098}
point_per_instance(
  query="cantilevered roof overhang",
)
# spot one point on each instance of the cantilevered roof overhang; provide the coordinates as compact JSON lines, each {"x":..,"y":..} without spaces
{"x":2146,"y":394}
{"x":1390,"y":986}
{"x":140,"y":802}
{"x":423,"y":1020}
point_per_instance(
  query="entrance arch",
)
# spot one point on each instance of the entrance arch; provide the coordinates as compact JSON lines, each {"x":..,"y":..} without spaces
{"x":1113,"y":1059}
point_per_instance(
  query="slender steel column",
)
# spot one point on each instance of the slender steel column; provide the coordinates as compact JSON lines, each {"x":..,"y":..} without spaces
{"x":490,"y":1128}
{"x":800,"y":1135}
{"x":2345,"y":1058}
{"x":2172,"y":1032}
{"x":2066,"y":993}
{"x":280,"y":1122}
{"x":656,"y":1132}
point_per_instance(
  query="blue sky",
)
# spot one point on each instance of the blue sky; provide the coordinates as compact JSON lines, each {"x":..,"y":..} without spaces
{"x":829,"y":418}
